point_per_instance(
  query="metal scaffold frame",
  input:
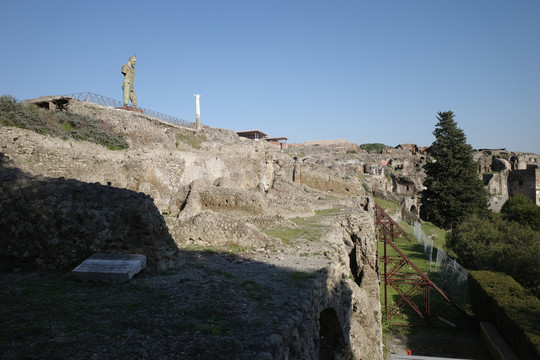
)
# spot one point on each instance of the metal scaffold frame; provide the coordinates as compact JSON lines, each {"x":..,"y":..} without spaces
{"x":408,"y":284}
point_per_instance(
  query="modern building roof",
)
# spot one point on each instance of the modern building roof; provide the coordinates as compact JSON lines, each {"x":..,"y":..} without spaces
{"x":252,"y":134}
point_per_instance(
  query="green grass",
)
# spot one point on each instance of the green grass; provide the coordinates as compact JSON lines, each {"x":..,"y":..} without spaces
{"x":288,"y":235}
{"x":301,"y":276}
{"x":406,"y":227}
{"x":388,"y":206}
{"x":326,"y":212}
{"x":374,"y":147}
{"x":309,"y":228}
{"x":438,"y":235}
{"x":192,"y":139}
{"x":67,"y":127}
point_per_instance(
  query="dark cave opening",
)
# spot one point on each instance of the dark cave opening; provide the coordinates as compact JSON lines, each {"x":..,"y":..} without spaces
{"x":332,"y":340}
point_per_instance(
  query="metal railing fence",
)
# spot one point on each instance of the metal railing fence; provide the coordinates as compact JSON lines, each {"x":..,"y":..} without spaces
{"x":106,"y":101}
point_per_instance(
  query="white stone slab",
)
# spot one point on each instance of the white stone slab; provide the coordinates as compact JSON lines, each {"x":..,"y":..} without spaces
{"x":110,"y":267}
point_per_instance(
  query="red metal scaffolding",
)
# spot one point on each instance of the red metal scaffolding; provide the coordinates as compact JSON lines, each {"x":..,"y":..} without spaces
{"x":411,"y":284}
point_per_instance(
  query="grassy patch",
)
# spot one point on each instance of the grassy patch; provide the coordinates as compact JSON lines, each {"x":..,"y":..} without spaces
{"x":192,"y":139}
{"x":287,"y":235}
{"x":300,"y":155}
{"x":301,"y":276}
{"x":438,"y":235}
{"x":406,"y":227}
{"x":326,"y":212}
{"x":61,"y":124}
{"x":309,"y":228}
{"x":374,"y":147}
{"x":388,"y":206}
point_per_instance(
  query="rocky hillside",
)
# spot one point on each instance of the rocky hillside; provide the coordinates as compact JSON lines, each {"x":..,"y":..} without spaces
{"x":175,"y":192}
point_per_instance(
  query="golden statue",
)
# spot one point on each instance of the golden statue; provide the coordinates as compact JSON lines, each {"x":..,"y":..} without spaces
{"x":128,"y":69}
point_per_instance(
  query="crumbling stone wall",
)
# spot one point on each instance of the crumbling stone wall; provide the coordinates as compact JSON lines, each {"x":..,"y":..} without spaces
{"x":352,"y":297}
{"x":54,"y":223}
{"x":497,"y":187}
{"x":404,"y":185}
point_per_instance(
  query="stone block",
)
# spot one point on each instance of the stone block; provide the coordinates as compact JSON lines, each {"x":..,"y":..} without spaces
{"x":110,"y":268}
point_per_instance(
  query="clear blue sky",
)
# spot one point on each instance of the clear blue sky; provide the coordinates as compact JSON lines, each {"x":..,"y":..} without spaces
{"x":366,"y":71}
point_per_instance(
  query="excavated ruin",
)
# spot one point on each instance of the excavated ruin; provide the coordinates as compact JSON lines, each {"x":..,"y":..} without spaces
{"x":175,"y":193}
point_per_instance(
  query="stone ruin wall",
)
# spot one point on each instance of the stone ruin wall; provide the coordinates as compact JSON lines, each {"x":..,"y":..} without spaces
{"x":396,"y":177}
{"x":54,"y":223}
{"x":340,"y":306}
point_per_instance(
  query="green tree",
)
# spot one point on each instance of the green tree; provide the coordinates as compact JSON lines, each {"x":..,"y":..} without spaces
{"x":374,"y":147}
{"x":454,"y":190}
{"x":523,"y":210}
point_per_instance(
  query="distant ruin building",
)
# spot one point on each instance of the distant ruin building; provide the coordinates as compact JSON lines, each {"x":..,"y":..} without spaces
{"x":252,"y":134}
{"x":507,"y":174}
{"x":412,"y":148}
{"x":257,"y":134}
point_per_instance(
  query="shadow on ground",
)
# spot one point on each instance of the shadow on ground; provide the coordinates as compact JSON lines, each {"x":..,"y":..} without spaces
{"x":214,"y":306}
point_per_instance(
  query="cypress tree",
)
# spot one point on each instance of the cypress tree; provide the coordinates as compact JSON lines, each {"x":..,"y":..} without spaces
{"x":454,"y":190}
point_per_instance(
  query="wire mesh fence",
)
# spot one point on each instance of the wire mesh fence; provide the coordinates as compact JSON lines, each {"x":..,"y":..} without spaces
{"x":105,"y":101}
{"x":450,"y":275}
{"x":425,"y":241}
{"x":453,"y":276}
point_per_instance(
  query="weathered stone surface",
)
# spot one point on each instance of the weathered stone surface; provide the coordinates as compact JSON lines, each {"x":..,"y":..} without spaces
{"x":110,"y":267}
{"x":57,"y":223}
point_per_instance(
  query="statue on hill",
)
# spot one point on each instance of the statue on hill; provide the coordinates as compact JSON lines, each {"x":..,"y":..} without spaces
{"x":128,"y":69}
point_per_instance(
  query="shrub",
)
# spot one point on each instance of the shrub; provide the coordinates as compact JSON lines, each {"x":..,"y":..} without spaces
{"x":62,"y":124}
{"x":498,"y":298}
{"x":523,"y":210}
{"x":498,"y":245}
{"x":374,"y":147}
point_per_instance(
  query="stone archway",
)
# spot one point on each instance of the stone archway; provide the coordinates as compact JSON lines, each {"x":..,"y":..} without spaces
{"x":331,"y":338}
{"x":414,"y":210}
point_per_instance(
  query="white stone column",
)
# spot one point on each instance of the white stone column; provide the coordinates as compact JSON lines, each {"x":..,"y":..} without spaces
{"x":197,"y":111}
